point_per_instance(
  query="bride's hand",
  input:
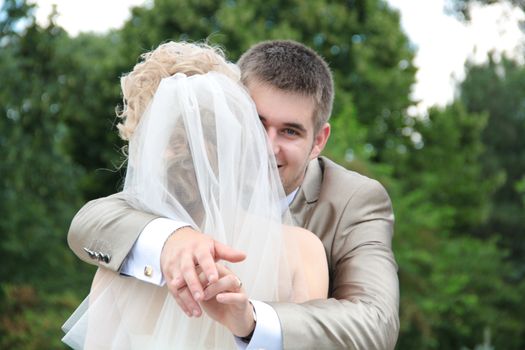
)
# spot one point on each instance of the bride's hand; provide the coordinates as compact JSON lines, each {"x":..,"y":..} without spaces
{"x":227,"y":303}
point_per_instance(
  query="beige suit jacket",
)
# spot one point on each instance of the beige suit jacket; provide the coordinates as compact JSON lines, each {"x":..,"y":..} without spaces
{"x":353,"y":217}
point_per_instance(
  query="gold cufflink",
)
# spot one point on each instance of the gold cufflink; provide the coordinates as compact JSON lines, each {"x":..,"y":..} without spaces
{"x":148,"y":271}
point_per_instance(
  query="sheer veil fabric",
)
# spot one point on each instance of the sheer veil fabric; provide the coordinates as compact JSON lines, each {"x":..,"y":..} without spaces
{"x":199,"y":154}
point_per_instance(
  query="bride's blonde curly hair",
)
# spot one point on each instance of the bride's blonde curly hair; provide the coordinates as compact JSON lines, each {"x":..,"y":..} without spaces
{"x":139,"y":86}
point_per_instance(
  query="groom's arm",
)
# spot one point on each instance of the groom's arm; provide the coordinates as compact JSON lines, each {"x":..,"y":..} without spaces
{"x":354,"y":318}
{"x":104,"y":231}
{"x":362,"y":312}
{"x":108,"y":232}
{"x":110,"y":226}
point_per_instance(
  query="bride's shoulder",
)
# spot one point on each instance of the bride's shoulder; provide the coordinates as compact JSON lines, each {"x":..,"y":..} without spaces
{"x":305,"y":239}
{"x":308,"y":260}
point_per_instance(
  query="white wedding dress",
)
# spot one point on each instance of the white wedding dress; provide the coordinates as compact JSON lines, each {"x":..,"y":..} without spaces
{"x":200,"y":155}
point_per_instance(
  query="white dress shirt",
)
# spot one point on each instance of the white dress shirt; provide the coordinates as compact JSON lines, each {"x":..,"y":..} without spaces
{"x":143,"y":262}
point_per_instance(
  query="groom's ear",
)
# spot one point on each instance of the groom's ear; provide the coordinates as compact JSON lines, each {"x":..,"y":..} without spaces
{"x":320,"y":140}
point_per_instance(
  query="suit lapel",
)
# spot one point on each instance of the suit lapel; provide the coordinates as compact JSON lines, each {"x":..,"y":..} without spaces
{"x":308,"y":192}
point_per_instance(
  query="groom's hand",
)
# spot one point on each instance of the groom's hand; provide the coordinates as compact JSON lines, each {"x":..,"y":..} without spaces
{"x":182,"y":253}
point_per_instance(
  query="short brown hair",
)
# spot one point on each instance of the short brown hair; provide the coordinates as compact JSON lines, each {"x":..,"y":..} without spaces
{"x":293,"y":67}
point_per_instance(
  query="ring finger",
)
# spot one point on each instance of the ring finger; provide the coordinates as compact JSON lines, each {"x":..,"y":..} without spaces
{"x":229,"y":283}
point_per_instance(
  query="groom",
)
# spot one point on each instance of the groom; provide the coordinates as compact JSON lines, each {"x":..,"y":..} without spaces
{"x":293,"y":91}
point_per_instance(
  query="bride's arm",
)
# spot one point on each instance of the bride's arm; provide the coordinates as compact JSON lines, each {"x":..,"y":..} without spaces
{"x":226,"y":302}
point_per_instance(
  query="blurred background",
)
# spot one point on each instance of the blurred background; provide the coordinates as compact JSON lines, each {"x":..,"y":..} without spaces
{"x":432,"y":104}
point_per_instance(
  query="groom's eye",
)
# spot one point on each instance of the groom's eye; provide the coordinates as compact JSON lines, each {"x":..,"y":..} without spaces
{"x":290,"y":132}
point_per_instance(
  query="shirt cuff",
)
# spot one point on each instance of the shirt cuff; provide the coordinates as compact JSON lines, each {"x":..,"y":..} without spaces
{"x":267,"y":334}
{"x":143,"y":261}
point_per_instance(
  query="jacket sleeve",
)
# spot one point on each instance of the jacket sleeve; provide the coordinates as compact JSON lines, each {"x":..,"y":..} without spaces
{"x":362,"y":311}
{"x":104,"y":230}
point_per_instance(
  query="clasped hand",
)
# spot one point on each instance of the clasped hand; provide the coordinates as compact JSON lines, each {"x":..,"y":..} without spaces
{"x":197,"y":281}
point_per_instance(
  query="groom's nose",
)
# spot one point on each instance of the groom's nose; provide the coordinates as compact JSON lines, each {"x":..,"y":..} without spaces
{"x":273,"y":140}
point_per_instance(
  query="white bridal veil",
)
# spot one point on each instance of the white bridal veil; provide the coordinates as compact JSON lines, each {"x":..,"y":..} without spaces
{"x":199,"y":154}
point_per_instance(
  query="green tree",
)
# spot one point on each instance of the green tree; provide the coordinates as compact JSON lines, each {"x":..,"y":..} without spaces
{"x":38,"y":186}
{"x":39,"y":180}
{"x":498,"y":89}
{"x":453,"y":285}
{"x":443,"y":159}
{"x":90,"y":69}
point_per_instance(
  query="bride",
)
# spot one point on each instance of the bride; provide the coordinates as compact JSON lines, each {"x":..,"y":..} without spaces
{"x":198,"y":153}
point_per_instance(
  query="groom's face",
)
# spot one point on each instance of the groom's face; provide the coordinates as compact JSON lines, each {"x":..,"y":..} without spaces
{"x":288,"y":120}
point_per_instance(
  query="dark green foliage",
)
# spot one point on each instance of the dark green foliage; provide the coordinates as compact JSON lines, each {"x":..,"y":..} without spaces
{"x":91,"y":91}
{"x":456,"y":300}
{"x":39,"y":184}
{"x":498,"y":89}
{"x":444,"y":163}
{"x":442,"y":199}
{"x":30,"y":319}
{"x":39,"y":180}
